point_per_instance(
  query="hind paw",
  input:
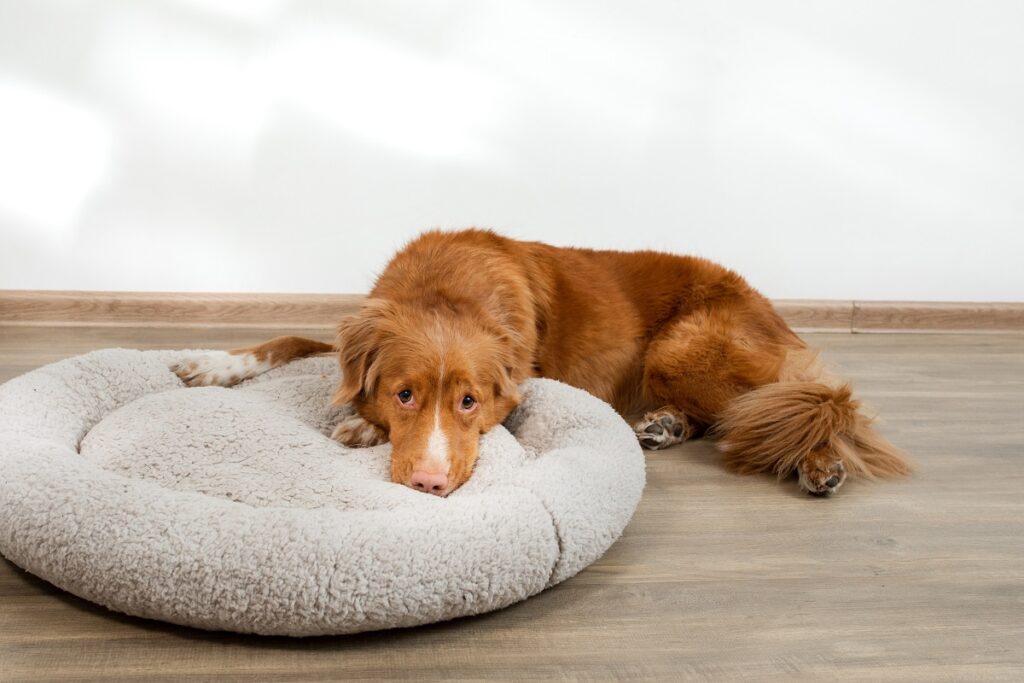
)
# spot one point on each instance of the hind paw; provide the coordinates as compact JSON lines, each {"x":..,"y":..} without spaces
{"x":663,"y":428}
{"x":217,"y":368}
{"x":821,"y":473}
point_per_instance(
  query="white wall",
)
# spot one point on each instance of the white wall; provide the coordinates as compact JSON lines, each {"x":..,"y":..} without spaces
{"x":833,"y":149}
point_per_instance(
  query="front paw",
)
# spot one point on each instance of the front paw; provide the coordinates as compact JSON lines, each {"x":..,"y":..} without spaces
{"x":356,"y":432}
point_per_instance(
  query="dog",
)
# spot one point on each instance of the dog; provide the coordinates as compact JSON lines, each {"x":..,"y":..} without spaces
{"x":679,"y":346}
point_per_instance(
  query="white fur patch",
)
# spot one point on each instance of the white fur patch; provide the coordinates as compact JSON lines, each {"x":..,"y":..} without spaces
{"x":218,"y":368}
{"x":438,"y":459}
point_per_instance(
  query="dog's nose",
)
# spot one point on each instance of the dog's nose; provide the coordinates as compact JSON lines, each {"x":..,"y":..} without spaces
{"x":832,"y":482}
{"x":429,"y":482}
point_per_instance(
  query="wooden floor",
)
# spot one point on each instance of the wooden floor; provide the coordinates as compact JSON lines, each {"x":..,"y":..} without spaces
{"x":717,"y":577}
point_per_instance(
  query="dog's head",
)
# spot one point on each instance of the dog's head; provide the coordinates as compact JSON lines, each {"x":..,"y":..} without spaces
{"x":434,"y":377}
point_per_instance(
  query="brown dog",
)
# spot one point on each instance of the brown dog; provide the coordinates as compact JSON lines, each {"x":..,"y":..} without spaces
{"x":677,"y":344}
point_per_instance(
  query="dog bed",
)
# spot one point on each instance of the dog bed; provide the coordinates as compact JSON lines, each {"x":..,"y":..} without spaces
{"x":232,"y":509}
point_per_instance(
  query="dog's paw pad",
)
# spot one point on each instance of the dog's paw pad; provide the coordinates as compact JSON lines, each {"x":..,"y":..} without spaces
{"x":821,"y":475}
{"x":662,"y":429}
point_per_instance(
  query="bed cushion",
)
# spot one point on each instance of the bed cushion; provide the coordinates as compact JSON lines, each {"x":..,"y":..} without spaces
{"x":233,"y":509}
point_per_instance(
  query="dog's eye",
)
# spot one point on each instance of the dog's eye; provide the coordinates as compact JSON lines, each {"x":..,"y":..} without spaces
{"x":405,"y":395}
{"x":468,"y":402}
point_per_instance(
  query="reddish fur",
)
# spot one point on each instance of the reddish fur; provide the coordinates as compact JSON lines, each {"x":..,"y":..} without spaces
{"x":440,"y":350}
{"x":641,"y":330}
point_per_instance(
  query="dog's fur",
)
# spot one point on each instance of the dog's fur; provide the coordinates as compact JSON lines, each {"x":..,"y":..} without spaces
{"x":677,"y":344}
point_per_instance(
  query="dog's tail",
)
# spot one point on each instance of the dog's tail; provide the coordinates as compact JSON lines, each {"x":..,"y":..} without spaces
{"x":808,"y":425}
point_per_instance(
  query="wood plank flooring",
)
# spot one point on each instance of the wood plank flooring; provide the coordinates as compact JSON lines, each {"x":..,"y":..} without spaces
{"x":718,"y":577}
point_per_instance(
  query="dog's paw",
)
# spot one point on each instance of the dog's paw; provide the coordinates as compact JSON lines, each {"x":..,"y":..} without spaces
{"x":663,"y":428}
{"x":356,"y":432}
{"x":821,"y":473}
{"x":217,"y":368}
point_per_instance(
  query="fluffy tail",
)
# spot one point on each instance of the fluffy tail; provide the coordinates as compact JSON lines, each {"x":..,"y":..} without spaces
{"x":814,"y":429}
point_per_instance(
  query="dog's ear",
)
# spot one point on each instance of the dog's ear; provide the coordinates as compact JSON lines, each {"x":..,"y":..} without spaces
{"x":358,"y":342}
{"x":506,"y":393}
{"x":505,"y":383}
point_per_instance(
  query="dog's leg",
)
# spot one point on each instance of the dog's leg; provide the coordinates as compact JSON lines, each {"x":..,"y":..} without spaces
{"x":663,"y":428}
{"x":227,"y":368}
{"x":707,"y":368}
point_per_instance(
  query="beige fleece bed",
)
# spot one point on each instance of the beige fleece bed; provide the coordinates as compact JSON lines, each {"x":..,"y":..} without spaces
{"x":232,"y":509}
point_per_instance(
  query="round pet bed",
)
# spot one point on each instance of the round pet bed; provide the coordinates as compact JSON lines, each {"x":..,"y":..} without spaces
{"x":232,"y":508}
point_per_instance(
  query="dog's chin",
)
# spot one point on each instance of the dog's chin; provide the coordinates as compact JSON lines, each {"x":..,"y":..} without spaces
{"x":443,"y":494}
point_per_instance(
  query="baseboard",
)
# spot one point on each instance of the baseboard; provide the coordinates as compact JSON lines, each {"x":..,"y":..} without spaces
{"x":169,"y":309}
{"x":174,"y":309}
{"x":924,"y":316}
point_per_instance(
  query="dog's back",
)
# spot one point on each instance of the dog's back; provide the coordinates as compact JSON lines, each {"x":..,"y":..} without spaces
{"x":584,"y":316}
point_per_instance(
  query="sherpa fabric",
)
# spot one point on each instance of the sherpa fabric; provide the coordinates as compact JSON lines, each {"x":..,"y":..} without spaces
{"x":232,"y":509}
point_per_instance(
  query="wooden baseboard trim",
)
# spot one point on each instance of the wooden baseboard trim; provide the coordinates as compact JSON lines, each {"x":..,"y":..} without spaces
{"x":170,"y":309}
{"x":174,"y":309}
{"x":925,"y":316}
{"x":816,"y":315}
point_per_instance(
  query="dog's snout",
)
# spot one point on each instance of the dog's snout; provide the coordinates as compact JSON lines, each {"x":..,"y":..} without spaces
{"x":429,"y":482}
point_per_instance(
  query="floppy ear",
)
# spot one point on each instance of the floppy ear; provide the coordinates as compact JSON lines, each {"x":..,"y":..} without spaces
{"x":506,"y":394}
{"x":359,"y":337}
{"x":506,"y":388}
